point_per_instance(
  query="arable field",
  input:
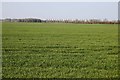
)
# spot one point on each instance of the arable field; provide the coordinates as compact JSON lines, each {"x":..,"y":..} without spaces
{"x":59,"y":50}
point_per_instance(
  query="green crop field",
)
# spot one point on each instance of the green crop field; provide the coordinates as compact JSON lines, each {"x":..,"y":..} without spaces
{"x":59,"y":50}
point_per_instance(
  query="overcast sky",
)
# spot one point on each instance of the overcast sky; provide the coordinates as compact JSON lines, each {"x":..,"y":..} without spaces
{"x":61,"y":10}
{"x":59,"y":0}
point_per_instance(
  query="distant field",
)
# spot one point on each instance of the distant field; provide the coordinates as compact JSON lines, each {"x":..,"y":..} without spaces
{"x":59,"y":50}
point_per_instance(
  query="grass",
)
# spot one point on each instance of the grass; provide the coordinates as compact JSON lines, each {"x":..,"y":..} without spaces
{"x":59,"y":50}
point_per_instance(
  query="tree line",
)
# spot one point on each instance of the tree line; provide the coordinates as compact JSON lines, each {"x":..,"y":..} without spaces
{"x":90,"y":21}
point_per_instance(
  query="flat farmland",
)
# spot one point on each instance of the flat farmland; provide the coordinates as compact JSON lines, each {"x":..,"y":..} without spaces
{"x":59,"y":50}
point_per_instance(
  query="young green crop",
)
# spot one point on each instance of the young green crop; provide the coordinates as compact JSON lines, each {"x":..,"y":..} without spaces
{"x":59,"y":50}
